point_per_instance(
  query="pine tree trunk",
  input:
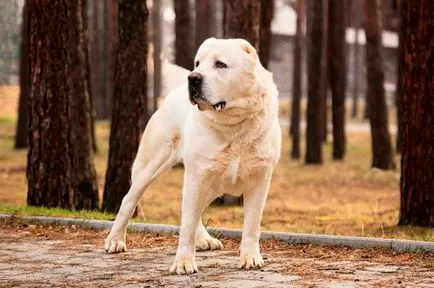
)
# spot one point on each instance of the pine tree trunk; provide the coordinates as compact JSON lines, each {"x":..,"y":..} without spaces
{"x":23,"y":107}
{"x":60,"y":167}
{"x":84,"y":5}
{"x":97,"y":58}
{"x":398,"y":93}
{"x":205,"y":21}
{"x":157,"y":42}
{"x":80,"y":140}
{"x":49,"y":164}
{"x":337,"y":74}
{"x":129,"y":101}
{"x":110,"y":39}
{"x":297,"y":83}
{"x":356,"y":57}
{"x":376,"y":101}
{"x":242,"y":20}
{"x":183,"y":34}
{"x":324,"y":72}
{"x":267,"y":13}
{"x":313,"y":130}
{"x":417,"y":161}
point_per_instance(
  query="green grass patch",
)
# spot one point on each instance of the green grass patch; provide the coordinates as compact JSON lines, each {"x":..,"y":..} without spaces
{"x":54,"y":212}
{"x":8,"y":119}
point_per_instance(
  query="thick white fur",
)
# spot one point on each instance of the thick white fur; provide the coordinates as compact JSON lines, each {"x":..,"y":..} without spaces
{"x":232,"y":151}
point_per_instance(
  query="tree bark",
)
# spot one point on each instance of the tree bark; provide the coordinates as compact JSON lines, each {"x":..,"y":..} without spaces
{"x":205,"y":21}
{"x":129,"y":101}
{"x":60,"y":168}
{"x":267,"y":13}
{"x":84,"y":6}
{"x":417,"y":161}
{"x":110,"y":39}
{"x":183,"y":34}
{"x":337,"y":74}
{"x":398,"y":93}
{"x":83,"y":170}
{"x":23,"y":106}
{"x":297,"y":83}
{"x":324,"y":86}
{"x":97,"y":57}
{"x":356,"y":75}
{"x":157,"y":42}
{"x":242,"y":20}
{"x":356,"y":57}
{"x":376,"y":101}
{"x":313,"y":130}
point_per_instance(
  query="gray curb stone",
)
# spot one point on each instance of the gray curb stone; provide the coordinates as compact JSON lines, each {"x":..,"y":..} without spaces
{"x":292,"y":238}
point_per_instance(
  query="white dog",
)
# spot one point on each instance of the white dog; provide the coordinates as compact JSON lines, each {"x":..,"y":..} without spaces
{"x":229,"y":141}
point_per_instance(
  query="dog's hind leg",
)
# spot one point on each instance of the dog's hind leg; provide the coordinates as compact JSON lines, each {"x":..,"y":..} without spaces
{"x":157,"y":153}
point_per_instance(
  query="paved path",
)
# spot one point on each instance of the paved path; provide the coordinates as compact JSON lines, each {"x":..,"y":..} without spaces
{"x":32,"y":256}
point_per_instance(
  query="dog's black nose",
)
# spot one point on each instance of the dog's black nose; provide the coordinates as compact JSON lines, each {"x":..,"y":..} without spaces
{"x":195,"y":80}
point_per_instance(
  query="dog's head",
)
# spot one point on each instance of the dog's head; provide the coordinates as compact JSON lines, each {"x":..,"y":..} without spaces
{"x":225,"y":73}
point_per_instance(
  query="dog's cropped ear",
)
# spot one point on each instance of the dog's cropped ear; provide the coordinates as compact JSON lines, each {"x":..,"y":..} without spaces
{"x":247,"y":47}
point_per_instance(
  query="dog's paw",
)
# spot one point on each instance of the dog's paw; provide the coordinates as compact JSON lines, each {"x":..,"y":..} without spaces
{"x":251,"y":260}
{"x":208,"y":243}
{"x":185,"y":265}
{"x":115,"y":244}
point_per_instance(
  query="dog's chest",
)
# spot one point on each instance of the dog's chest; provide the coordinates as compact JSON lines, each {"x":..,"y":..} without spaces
{"x":236,"y":164}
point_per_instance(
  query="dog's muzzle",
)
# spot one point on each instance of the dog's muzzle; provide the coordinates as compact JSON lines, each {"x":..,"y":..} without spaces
{"x":195,"y":81}
{"x":195,"y":86}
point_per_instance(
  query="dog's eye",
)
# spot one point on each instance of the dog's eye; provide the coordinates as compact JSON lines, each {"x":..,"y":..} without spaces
{"x":220,"y":65}
{"x":197,"y":63}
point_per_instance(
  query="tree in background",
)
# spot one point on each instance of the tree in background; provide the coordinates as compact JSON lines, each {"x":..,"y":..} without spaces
{"x":157,"y":41}
{"x":129,"y":101}
{"x":9,"y":39}
{"x":337,"y":74}
{"x":297,"y":82}
{"x":84,"y":6}
{"x":205,"y":21}
{"x":102,"y":43}
{"x":267,"y":14}
{"x":23,"y":106}
{"x":324,"y":81}
{"x":381,"y":143}
{"x":398,"y":91}
{"x":313,"y":130}
{"x":417,"y":161}
{"x":109,"y":45}
{"x":60,"y":168}
{"x":356,"y":56}
{"x":183,"y":34}
{"x":242,"y":20}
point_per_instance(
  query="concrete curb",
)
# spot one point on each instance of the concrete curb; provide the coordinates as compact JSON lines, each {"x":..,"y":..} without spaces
{"x":292,"y":238}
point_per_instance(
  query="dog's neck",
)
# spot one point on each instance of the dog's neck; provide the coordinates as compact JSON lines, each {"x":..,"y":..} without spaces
{"x":253,"y":110}
{"x":239,"y":121}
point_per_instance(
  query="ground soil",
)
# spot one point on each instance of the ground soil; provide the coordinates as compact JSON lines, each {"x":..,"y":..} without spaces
{"x":68,"y":256}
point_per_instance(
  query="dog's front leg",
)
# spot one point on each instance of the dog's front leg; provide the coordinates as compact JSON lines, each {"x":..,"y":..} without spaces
{"x":193,"y":202}
{"x":254,"y":202}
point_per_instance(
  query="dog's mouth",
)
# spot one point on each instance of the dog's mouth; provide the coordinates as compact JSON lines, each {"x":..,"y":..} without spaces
{"x":219,"y":105}
{"x":200,"y":102}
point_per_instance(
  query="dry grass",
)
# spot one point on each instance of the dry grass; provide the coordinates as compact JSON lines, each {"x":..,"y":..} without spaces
{"x":345,"y":198}
{"x":285,"y":110}
{"x":78,"y":235}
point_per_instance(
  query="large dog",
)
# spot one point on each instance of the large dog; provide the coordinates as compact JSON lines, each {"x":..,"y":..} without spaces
{"x":229,"y":141}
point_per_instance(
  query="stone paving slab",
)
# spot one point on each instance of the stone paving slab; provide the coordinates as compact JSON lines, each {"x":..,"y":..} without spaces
{"x":32,"y":260}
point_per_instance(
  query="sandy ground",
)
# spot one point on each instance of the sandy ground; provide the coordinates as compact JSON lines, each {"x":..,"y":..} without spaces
{"x":33,"y":256}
